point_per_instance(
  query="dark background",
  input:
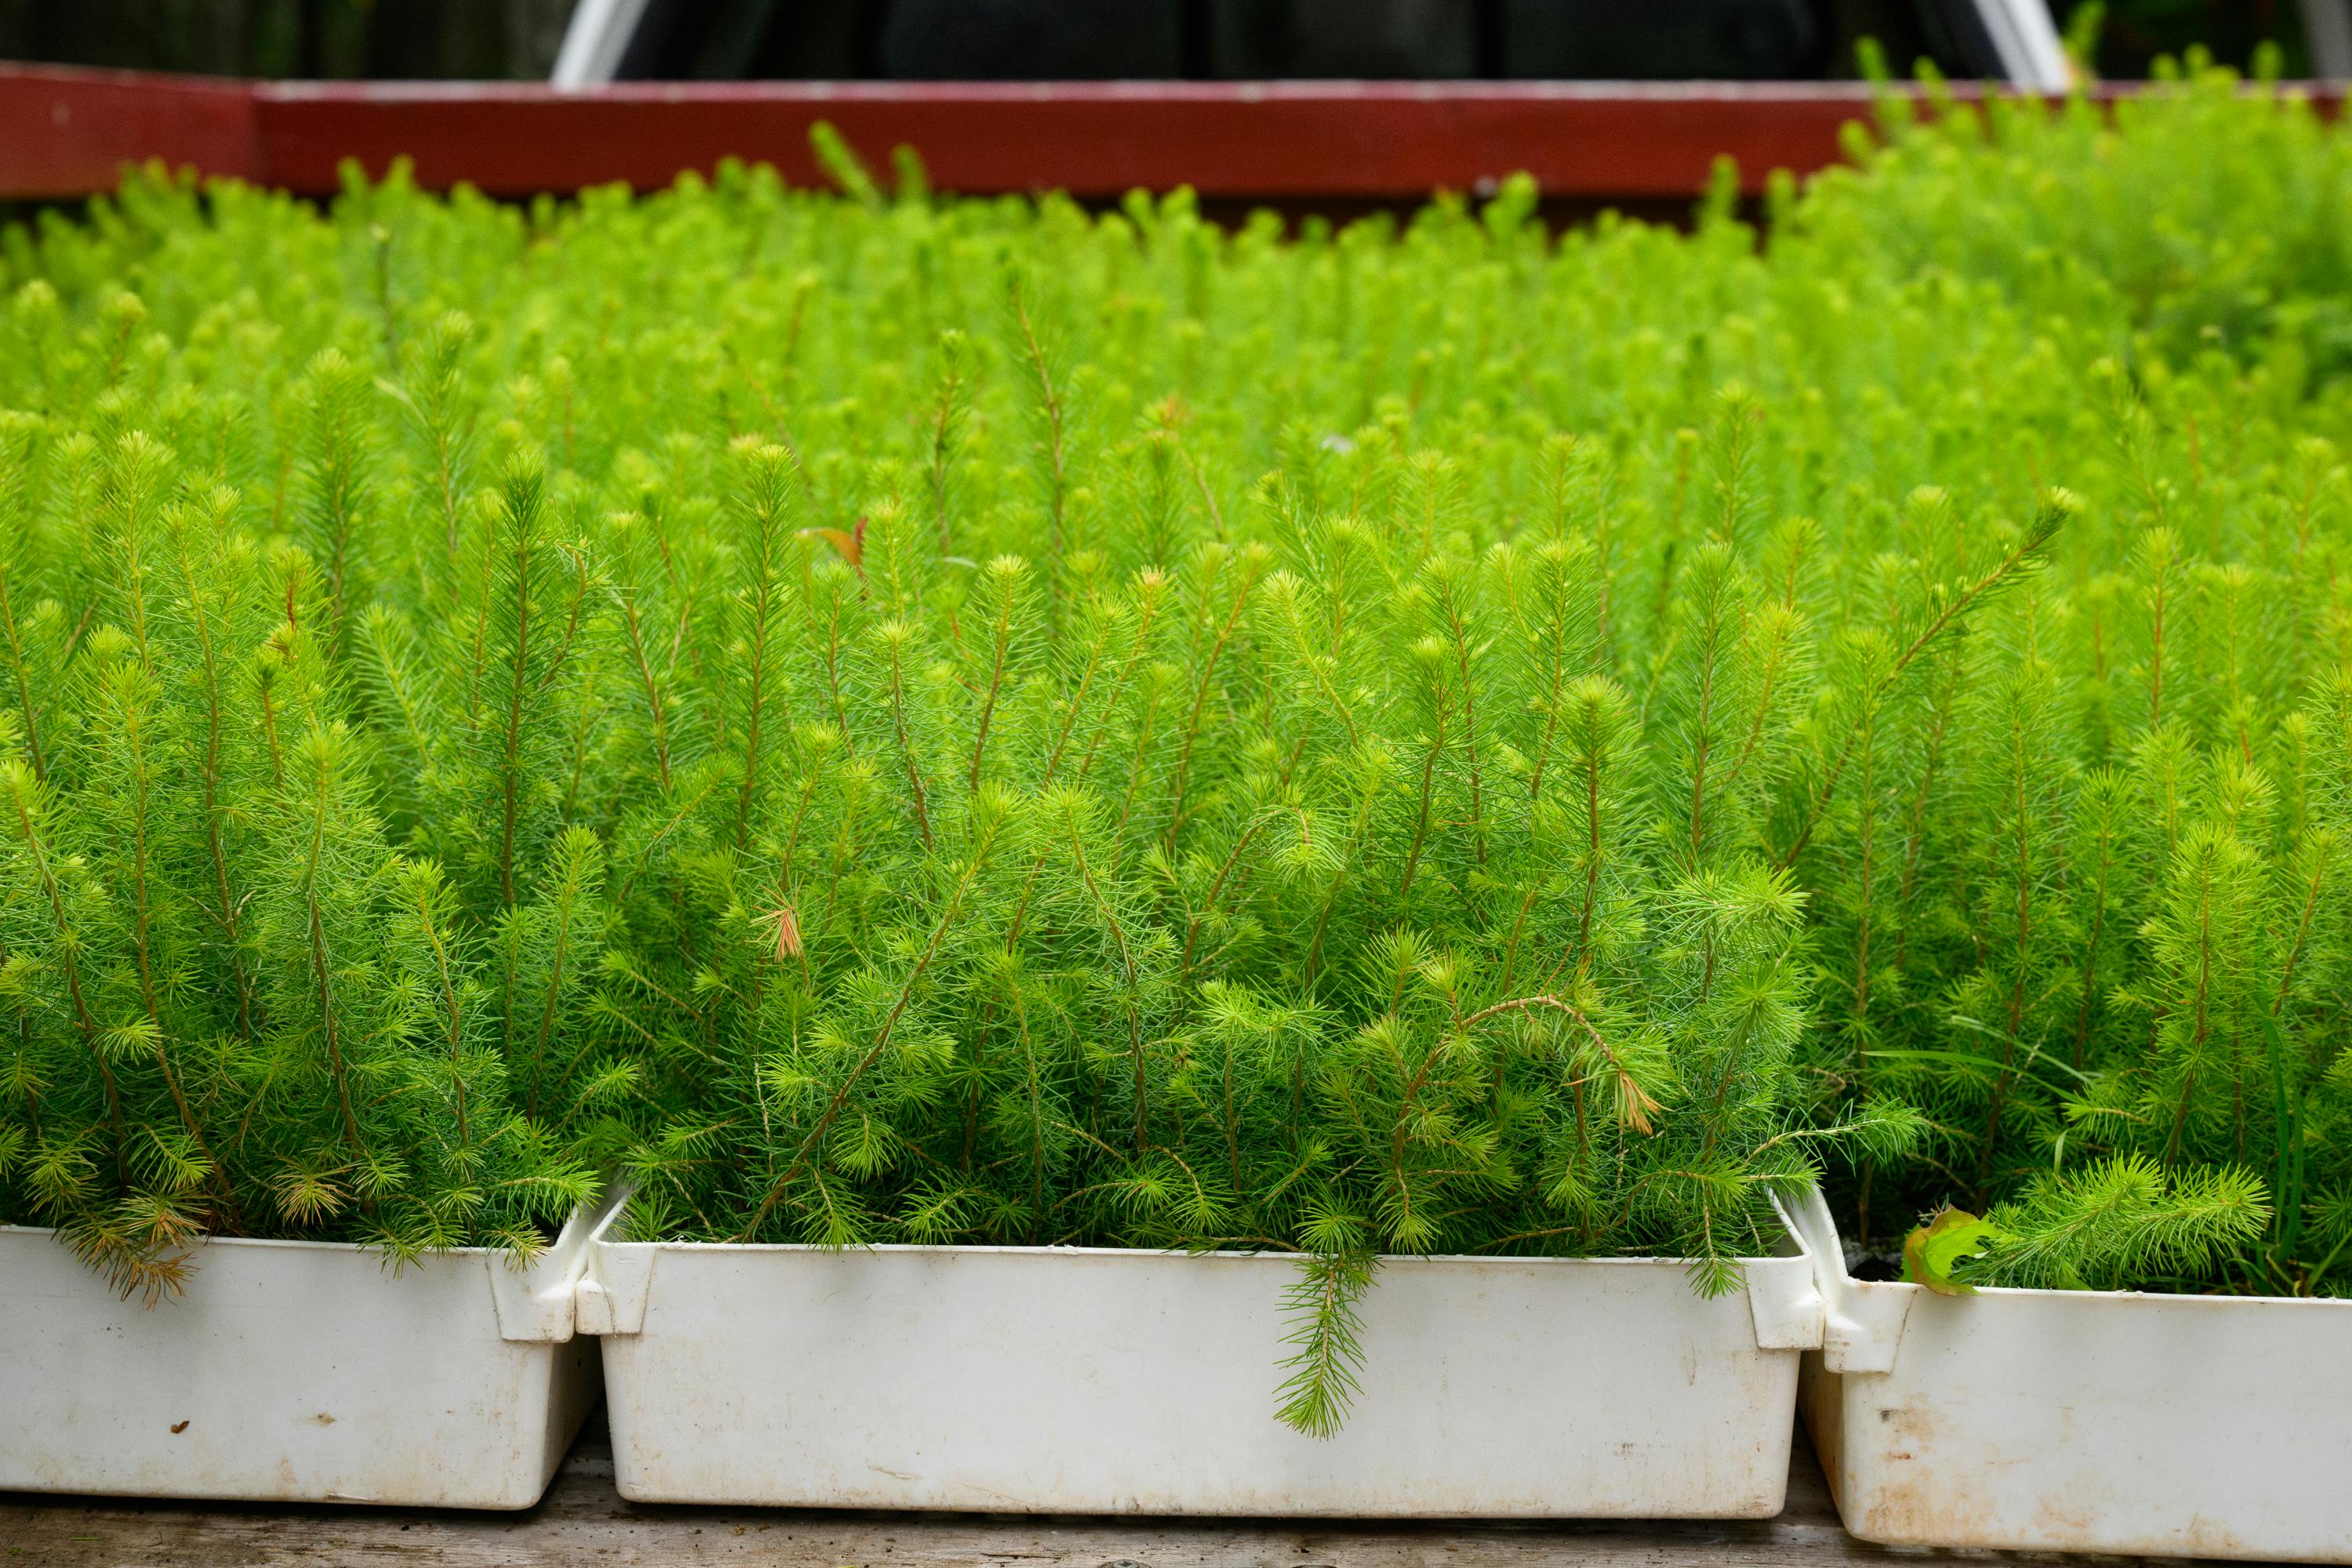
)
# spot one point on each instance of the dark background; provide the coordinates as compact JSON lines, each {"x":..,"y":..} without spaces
{"x":1206,"y":40}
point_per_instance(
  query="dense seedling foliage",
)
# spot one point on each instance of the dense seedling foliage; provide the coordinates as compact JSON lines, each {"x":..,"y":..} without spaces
{"x":2079,"y":878}
{"x":890,"y":719}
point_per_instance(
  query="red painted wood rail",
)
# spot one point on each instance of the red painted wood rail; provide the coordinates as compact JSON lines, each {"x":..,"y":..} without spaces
{"x":66,"y":132}
{"x":1271,"y":140}
{"x":69,"y":132}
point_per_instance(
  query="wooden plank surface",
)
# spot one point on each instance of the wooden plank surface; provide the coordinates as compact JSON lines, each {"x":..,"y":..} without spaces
{"x":583,"y":1523}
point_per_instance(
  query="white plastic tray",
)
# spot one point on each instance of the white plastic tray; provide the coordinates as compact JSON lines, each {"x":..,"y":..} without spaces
{"x":1063,"y":1380}
{"x":2081,"y":1421}
{"x":294,"y":1371}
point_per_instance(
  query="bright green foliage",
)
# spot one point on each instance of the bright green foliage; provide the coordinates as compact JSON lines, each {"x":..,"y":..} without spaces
{"x":225,"y":990}
{"x":2088,"y":912}
{"x":1950,"y":1239}
{"x":892,"y":719}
